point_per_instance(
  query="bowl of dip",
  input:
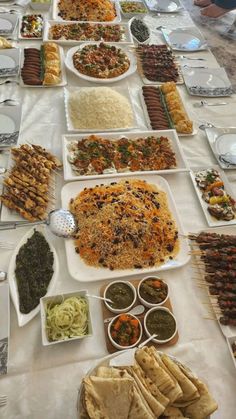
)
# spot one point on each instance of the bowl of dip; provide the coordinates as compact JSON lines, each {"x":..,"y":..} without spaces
{"x":161,"y":322}
{"x":153,"y":291}
{"x":122,"y":293}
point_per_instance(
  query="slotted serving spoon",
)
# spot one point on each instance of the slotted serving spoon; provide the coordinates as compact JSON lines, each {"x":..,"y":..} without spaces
{"x":61,"y":222}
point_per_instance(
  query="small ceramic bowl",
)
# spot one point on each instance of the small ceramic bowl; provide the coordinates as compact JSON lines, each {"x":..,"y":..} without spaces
{"x":122,"y":310}
{"x":156,"y":340}
{"x":134,"y":37}
{"x":147,"y":303}
{"x":115,"y":344}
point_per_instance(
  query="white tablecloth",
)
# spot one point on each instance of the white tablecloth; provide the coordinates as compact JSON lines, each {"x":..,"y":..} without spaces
{"x":43,"y":381}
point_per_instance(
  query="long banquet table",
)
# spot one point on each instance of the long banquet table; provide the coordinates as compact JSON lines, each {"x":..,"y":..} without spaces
{"x":44,"y":381}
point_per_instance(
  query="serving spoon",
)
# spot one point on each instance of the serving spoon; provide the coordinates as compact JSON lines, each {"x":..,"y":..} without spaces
{"x":205,"y":103}
{"x":100,"y":298}
{"x":137,"y":310}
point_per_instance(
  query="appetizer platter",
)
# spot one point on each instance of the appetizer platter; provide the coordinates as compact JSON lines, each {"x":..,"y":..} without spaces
{"x":10,"y":62}
{"x":139,"y":30}
{"x":105,"y":154}
{"x":163,"y":108}
{"x":29,"y":185}
{"x":157,"y":64}
{"x":215,"y":196}
{"x":31,"y":27}
{"x":210,"y":82}
{"x":65,"y":317}
{"x":88,"y":264}
{"x":223,"y":144}
{"x":214,"y":252}
{"x":43,"y":66}
{"x":184,"y":39}
{"x":72,"y":33}
{"x":164,"y":6}
{"x":153,"y":319}
{"x":132,"y":8}
{"x":99,"y":109}
{"x":8,"y":23}
{"x":34,"y":261}
{"x":149,"y":382}
{"x":101,"y":63}
{"x":86,"y":10}
{"x":10,"y":121}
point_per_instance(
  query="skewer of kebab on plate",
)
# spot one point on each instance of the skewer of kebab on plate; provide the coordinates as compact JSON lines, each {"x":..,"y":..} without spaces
{"x":208,"y":240}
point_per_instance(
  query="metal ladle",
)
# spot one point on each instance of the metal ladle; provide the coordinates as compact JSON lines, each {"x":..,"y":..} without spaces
{"x":61,"y":222}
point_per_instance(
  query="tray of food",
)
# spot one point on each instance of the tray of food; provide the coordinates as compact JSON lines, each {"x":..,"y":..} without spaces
{"x":43,"y":66}
{"x":215,"y":196}
{"x":32,"y":272}
{"x":123,"y":325}
{"x":31,"y":27}
{"x":163,"y":108}
{"x":29,"y":185}
{"x":99,"y":109}
{"x":101,"y":62}
{"x":86,"y":10}
{"x":132,"y":8}
{"x":157,"y":64}
{"x":214,"y":252}
{"x":72,"y":33}
{"x":125,"y":227}
{"x":103,"y":155}
{"x":146,"y":381}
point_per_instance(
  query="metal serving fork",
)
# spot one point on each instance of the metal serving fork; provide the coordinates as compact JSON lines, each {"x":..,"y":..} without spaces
{"x":3,"y":400}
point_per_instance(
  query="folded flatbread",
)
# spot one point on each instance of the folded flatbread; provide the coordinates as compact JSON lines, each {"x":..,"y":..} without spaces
{"x":107,"y":398}
{"x":171,"y":412}
{"x":204,"y":406}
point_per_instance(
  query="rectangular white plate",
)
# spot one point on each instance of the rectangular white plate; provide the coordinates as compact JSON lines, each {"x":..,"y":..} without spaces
{"x":24,"y":38}
{"x":184,"y":39}
{"x":85,"y":273}
{"x":227,"y":331}
{"x":10,"y":62}
{"x":56,"y":16}
{"x":145,"y":111}
{"x":8,"y":22}
{"x":10,"y":120}
{"x":212,"y":221}
{"x":70,"y":174}
{"x":132,"y":14}
{"x":46,"y":36}
{"x":63,"y":71}
{"x":123,"y":90}
{"x":215,"y":139}
{"x":164,"y":6}
{"x":211,"y":82}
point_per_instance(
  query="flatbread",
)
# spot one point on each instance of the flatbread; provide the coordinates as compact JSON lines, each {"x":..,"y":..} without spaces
{"x":190,"y":391}
{"x":154,"y":371}
{"x":171,"y":412}
{"x":139,"y":407}
{"x":204,"y":406}
{"x":110,"y":372}
{"x":107,"y":398}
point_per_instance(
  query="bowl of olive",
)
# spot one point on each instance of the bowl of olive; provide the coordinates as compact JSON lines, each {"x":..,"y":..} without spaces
{"x":122,"y":294}
{"x":153,"y":291}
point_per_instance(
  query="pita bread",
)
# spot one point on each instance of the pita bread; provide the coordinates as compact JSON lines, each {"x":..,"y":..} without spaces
{"x":110,"y":372}
{"x":107,"y":398}
{"x":204,"y":406}
{"x":139,"y":407}
{"x":154,"y":371}
{"x":171,"y":412}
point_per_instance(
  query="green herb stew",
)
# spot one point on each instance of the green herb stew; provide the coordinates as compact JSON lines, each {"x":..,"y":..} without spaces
{"x":161,"y":323}
{"x":153,"y":290}
{"x":121,"y":294}
{"x":34,"y":270}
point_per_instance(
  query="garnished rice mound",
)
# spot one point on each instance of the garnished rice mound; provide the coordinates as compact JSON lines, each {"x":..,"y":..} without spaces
{"x":124,"y":225}
{"x":87,"y":10}
{"x":100,"y":108}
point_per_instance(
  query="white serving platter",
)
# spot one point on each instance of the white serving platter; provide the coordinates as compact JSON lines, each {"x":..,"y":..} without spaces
{"x":164,"y":6}
{"x":211,"y":82}
{"x":127,"y":36}
{"x":8,"y":22}
{"x":69,"y":64}
{"x":228,"y":331}
{"x":212,"y":221}
{"x":56,"y":16}
{"x":23,"y":319}
{"x":230,"y":341}
{"x":147,"y":119}
{"x":123,"y":90}
{"x":70,"y":174}
{"x":85,"y":273}
{"x":131,"y":14}
{"x":25,"y":38}
{"x":187,"y":39}
{"x":10,"y":62}
{"x":10,"y":120}
{"x":63,"y":71}
{"x":223,"y":144}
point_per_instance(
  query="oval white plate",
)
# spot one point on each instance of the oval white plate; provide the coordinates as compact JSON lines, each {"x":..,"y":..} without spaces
{"x":23,"y":319}
{"x":69,"y":64}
